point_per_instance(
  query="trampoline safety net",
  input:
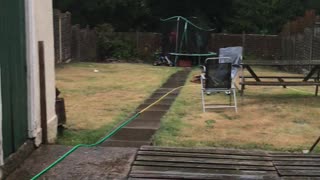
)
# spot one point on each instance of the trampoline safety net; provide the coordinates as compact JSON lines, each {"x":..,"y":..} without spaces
{"x":184,"y":36}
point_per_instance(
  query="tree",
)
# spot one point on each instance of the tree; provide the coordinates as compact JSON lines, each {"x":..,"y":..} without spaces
{"x":234,"y":16}
{"x":312,"y":4}
{"x":263,"y":16}
{"x":209,"y":13}
{"x":124,"y":15}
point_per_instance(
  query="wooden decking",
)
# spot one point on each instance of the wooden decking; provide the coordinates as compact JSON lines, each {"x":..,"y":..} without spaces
{"x":185,"y":163}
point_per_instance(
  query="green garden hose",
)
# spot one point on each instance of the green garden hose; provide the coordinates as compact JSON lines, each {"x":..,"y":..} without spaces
{"x":103,"y":139}
{"x":85,"y":145}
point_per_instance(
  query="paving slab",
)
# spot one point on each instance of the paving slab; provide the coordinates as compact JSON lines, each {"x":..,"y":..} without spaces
{"x":145,"y":123}
{"x":84,"y":163}
{"x":162,"y":102}
{"x":156,"y":107}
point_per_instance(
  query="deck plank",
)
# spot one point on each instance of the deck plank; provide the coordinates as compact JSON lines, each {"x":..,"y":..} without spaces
{"x":212,"y":163}
{"x":137,"y":169}
{"x":296,"y":163}
{"x":177,"y":175}
{"x":204,"y":160}
{"x":205,"y":150}
{"x":202,"y":165}
{"x":203,"y":155}
{"x":309,"y":173}
{"x":298,"y":168}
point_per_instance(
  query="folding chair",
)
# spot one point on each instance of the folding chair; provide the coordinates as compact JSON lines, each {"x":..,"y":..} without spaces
{"x":216,"y":77}
{"x":235,"y":55}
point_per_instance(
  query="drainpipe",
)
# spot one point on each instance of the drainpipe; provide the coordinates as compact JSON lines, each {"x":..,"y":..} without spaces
{"x":1,"y":142}
{"x":32,"y":73}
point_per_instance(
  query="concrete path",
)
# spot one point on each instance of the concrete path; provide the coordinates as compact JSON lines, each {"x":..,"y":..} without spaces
{"x":112,"y":160}
{"x":84,"y":163}
{"x":140,"y":131}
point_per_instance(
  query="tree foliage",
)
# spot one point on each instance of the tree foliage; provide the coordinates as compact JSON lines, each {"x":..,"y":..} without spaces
{"x":124,"y":15}
{"x":235,"y":16}
{"x":263,"y":16}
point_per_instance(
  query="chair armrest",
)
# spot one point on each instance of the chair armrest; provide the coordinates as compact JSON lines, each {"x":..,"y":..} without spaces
{"x":202,"y":76}
{"x":203,"y":68}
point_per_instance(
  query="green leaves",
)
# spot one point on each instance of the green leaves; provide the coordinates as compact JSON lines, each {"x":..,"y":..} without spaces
{"x":263,"y":16}
{"x":234,"y":16}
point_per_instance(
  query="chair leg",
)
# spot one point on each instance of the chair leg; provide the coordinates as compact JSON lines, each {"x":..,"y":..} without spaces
{"x":242,"y":89}
{"x":230,"y":98}
{"x":235,"y":100}
{"x":203,"y":101}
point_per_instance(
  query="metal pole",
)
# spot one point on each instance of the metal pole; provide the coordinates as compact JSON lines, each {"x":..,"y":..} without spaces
{"x":177,"y":38}
{"x":177,"y":34}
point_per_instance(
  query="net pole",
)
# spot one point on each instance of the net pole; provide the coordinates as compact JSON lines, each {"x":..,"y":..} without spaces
{"x":177,"y":38}
{"x":177,"y":34}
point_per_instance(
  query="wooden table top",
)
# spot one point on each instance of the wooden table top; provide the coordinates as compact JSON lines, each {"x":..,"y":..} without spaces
{"x":282,"y":63}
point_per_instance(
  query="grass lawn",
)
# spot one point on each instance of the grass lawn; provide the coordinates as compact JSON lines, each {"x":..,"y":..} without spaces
{"x":269,"y":118}
{"x":97,"y":101}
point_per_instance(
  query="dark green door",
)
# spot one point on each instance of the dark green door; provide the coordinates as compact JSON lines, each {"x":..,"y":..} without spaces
{"x":13,"y":75}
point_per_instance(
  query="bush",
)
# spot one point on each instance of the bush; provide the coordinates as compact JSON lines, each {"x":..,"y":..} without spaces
{"x":110,"y":45}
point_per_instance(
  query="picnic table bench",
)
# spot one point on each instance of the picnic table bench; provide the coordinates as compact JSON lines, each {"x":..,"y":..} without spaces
{"x":310,"y":79}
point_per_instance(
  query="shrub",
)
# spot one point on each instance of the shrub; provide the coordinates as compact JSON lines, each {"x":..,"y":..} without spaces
{"x":111,"y":45}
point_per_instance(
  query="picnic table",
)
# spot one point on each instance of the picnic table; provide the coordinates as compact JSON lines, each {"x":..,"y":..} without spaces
{"x":310,"y":79}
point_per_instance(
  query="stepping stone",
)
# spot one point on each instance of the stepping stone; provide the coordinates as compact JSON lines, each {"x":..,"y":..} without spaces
{"x":119,"y":143}
{"x":154,"y":115}
{"x":156,"y":107}
{"x":134,"y":134}
{"x":159,"y":95}
{"x":162,"y":102}
{"x":142,"y":123}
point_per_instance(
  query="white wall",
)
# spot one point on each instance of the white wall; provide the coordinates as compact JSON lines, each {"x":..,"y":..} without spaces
{"x":1,"y":147}
{"x":39,"y":27}
{"x":34,"y":126}
{"x":44,"y":32}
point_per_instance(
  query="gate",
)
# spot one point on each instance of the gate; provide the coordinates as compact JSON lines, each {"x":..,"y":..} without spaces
{"x":13,"y":75}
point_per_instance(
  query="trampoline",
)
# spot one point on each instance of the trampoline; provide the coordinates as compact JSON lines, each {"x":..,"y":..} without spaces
{"x":184,"y":39}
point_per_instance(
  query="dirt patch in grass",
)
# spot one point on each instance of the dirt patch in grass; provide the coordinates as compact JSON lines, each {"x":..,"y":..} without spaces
{"x":98,"y":96}
{"x":271,"y":118}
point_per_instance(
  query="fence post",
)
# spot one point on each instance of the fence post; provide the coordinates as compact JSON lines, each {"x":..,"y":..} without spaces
{"x":43,"y":98}
{"x":294,"y":48}
{"x":311,"y":43}
{"x":137,"y":40}
{"x":60,"y":38}
{"x":243,"y":42}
